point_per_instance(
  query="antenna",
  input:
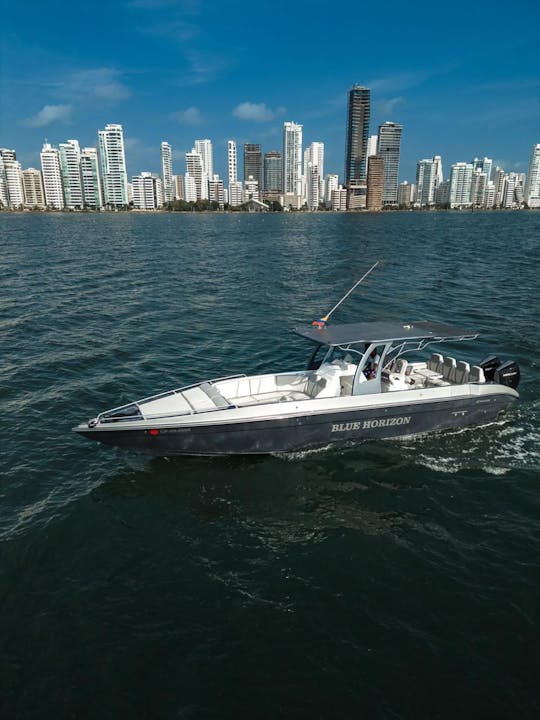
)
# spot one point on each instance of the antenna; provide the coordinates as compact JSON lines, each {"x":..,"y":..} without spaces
{"x":321,"y":323}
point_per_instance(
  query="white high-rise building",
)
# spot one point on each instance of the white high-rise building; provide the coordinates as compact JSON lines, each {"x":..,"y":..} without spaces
{"x":406,"y":194}
{"x":478,"y":188}
{"x":4,"y":202}
{"x":52,"y":177}
{"x":484,"y":165}
{"x":236,"y":194}
{"x":292,"y":158}
{"x":498,"y":175}
{"x":251,"y":189}
{"x":314,"y":163}
{"x":331,"y":183}
{"x":166,"y":168}
{"x":509,"y":190}
{"x":204,"y":148}
{"x":313,"y":186}
{"x":490,"y":196}
{"x":113,"y":166}
{"x":388,"y":145}
{"x":34,"y":194}
{"x":532,"y":185}
{"x":460,"y":184}
{"x":236,"y":190}
{"x":190,"y":188}
{"x":437,"y":162}
{"x":232,"y":161}
{"x":70,"y":156}
{"x":194,"y":168}
{"x":216,"y":191}
{"x":339,"y":199}
{"x":11,"y":180}
{"x":91,"y":181}
{"x":425,"y":183}
{"x":147,"y":191}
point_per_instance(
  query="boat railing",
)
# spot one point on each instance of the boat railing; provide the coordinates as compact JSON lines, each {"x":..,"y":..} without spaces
{"x":116,"y":415}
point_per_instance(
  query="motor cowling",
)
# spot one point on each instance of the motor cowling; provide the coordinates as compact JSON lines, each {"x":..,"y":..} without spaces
{"x":508,"y":374}
{"x":489,"y":365}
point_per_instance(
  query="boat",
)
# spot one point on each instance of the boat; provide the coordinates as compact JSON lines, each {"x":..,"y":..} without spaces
{"x":342,"y":396}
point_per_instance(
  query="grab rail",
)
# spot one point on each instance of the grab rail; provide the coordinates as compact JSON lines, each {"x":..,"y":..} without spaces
{"x":138,"y":403}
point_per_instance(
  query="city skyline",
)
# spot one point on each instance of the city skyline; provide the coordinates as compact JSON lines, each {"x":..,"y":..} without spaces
{"x":195,"y":80}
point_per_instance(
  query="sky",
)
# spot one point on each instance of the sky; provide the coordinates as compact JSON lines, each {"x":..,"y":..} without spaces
{"x":462,"y":78}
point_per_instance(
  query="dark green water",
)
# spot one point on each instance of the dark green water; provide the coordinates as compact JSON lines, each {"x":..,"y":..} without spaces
{"x":382,"y":580}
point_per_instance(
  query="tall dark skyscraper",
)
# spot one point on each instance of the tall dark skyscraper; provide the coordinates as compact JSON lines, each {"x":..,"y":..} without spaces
{"x":357,"y":134}
{"x":253,"y":163}
{"x":273,"y":171}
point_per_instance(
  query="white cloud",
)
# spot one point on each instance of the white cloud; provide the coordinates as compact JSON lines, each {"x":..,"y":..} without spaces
{"x":173,"y":29}
{"x":386,"y":107}
{"x":257,"y":112}
{"x":49,"y":114}
{"x":102,"y":83}
{"x":190,"y":116}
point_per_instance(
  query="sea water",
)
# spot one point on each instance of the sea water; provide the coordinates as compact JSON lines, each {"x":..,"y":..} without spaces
{"x":391,"y":579}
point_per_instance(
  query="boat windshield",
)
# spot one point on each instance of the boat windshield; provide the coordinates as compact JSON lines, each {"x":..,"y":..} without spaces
{"x":323,"y":353}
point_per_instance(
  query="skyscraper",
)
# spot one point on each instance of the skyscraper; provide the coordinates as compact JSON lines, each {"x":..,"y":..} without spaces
{"x":34,"y":194}
{"x":91,"y":182}
{"x":357,"y":134}
{"x":11,"y":180}
{"x":460,"y":184}
{"x":232,"y":160}
{"x":52,"y":177}
{"x":113,"y":166}
{"x":273,"y":172}
{"x":292,"y":158}
{"x":484,"y":165}
{"x":70,"y":158}
{"x":253,"y":163}
{"x":331,"y":183}
{"x":425,"y":182}
{"x":204,"y":148}
{"x":388,"y":146}
{"x":236,"y":191}
{"x":194,"y":170}
{"x":166,"y":169}
{"x":147,"y":191}
{"x":532,"y":186}
{"x":314,"y":174}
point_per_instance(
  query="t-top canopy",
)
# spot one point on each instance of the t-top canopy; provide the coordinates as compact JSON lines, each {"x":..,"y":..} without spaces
{"x":383,"y":332}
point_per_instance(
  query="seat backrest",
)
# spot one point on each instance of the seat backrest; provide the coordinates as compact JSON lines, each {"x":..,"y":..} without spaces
{"x":462,"y":372}
{"x":435,"y":363}
{"x":476,"y":374}
{"x":315,"y":385}
{"x":400,"y":366}
{"x":449,"y":369}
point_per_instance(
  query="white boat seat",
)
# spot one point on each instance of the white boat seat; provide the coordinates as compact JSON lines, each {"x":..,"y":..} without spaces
{"x":462,"y":372}
{"x":449,"y":369}
{"x":476,"y":374}
{"x":435,"y":363}
{"x":399,"y":366}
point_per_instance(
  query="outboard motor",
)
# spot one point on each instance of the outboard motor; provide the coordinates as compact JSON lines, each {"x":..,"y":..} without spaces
{"x":507,"y":374}
{"x":489,"y":364}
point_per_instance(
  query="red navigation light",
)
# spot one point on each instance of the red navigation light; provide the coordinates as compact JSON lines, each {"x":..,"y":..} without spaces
{"x":153,"y":432}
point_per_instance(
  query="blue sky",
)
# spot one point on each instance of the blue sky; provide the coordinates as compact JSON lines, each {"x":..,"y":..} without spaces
{"x":463,"y":83}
